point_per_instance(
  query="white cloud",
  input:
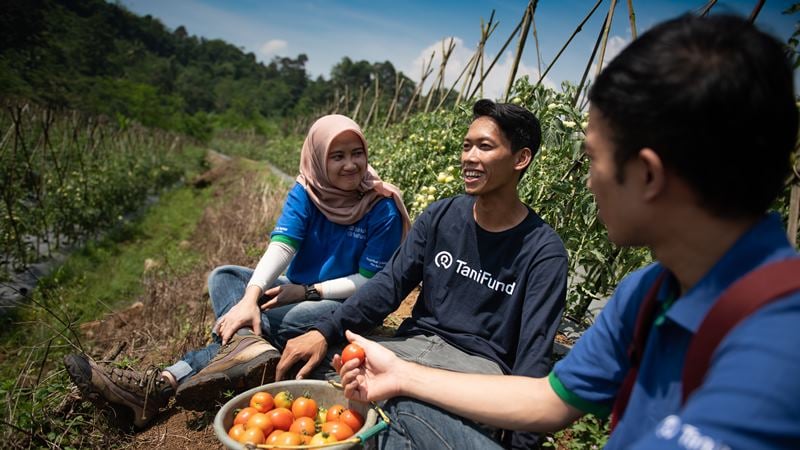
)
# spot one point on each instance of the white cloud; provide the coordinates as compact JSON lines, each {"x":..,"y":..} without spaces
{"x":614,"y":46}
{"x":272,"y":47}
{"x":495,"y":83}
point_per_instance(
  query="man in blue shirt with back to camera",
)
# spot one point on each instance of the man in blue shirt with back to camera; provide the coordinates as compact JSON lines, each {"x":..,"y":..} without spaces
{"x":690,"y":134}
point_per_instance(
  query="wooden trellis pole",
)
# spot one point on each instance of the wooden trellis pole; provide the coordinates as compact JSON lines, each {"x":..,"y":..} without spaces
{"x":605,"y":35}
{"x":632,"y":18}
{"x":426,"y":71}
{"x":398,"y":85}
{"x":357,"y":109}
{"x":707,"y":8}
{"x":526,"y":25}
{"x":756,"y":10}
{"x":588,"y":66}
{"x":436,"y":86}
{"x":486,"y":30}
{"x":374,"y":107}
{"x":497,"y":57}
{"x":453,"y":86}
{"x":536,"y":40}
{"x":564,"y":47}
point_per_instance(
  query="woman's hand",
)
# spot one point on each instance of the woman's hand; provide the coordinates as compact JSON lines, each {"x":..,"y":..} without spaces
{"x":245,"y":313}
{"x":376,"y":378}
{"x":284,"y":294}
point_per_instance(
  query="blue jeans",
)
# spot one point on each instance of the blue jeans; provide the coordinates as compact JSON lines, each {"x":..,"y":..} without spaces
{"x":226,"y":286}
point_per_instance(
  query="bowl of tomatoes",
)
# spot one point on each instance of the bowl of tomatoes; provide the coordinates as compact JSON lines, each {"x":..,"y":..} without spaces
{"x":308,"y":413}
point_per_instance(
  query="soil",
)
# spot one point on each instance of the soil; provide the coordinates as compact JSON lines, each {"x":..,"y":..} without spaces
{"x":174,"y":315}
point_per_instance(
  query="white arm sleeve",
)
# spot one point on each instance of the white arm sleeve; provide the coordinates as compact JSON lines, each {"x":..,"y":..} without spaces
{"x":275,"y":260}
{"x":342,"y":287}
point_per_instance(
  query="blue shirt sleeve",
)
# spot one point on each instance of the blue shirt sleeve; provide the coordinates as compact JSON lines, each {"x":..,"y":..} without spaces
{"x":386,"y":231}
{"x":589,"y":377}
{"x":294,"y":218}
{"x":751,"y":394}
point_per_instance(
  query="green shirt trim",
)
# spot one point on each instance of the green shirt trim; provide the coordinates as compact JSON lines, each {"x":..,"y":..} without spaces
{"x":366,"y":273}
{"x":573,"y":400}
{"x":286,"y":240}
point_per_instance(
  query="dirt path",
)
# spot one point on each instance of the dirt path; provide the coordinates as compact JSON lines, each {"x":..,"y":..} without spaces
{"x":174,"y":314}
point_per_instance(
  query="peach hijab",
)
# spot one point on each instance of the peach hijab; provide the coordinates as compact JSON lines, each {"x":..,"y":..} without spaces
{"x":342,"y":207}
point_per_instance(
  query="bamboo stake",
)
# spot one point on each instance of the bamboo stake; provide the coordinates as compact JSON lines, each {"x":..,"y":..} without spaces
{"x":632,"y":17}
{"x":453,"y":86}
{"x":496,"y":58}
{"x":373,"y":109}
{"x":426,"y":71}
{"x":588,"y":66}
{"x":486,"y":30}
{"x":707,"y":8}
{"x":564,"y":47}
{"x":354,"y":115}
{"x":526,"y":25}
{"x":472,"y":61}
{"x":439,"y":80}
{"x":536,"y":40}
{"x":398,"y":84}
{"x":755,"y":11}
{"x":609,"y":18}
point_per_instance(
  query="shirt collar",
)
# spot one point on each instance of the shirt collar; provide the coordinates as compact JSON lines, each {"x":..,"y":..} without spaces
{"x":766,"y":241}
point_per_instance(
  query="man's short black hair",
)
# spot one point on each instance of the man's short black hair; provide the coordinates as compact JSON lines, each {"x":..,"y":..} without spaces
{"x":714,"y":97}
{"x":518,"y":124}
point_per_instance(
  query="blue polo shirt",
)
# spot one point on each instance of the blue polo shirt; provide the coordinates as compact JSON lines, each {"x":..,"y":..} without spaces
{"x":751,"y":395}
{"x":327,"y":250}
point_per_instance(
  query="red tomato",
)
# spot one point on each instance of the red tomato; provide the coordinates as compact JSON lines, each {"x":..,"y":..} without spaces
{"x":304,"y":407}
{"x":253,"y":436}
{"x":237,"y":432}
{"x":262,"y":401}
{"x":334,"y":412}
{"x":244,"y":414}
{"x":289,"y":438}
{"x":304,"y":426}
{"x":260,"y":421}
{"x":340,"y":430}
{"x":281,"y":418}
{"x":353,"y":351}
{"x":352,"y":419}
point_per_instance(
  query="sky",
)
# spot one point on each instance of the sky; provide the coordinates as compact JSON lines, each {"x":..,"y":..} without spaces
{"x":407,"y":32}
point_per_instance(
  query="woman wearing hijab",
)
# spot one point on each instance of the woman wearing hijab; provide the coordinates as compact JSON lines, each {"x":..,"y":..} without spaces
{"x":338,"y":227}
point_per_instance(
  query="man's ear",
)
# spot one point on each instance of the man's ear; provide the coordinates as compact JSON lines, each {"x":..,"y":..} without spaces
{"x":523,"y":158}
{"x":653,"y":175}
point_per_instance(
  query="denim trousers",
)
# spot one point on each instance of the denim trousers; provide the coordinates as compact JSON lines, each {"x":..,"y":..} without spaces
{"x":226,"y":286}
{"x":419,"y":425}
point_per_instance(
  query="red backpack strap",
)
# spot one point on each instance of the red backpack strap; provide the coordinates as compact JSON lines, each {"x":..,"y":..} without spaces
{"x":756,"y":289}
{"x":644,"y":322}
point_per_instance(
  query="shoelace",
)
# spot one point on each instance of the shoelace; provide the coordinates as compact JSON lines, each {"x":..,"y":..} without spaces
{"x":149,"y":380}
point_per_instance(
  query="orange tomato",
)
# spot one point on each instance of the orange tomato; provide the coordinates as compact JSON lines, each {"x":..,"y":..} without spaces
{"x":352,"y":419}
{"x":281,"y":418}
{"x":262,"y":401}
{"x":322,"y":438}
{"x":260,"y":421}
{"x":304,"y":407}
{"x":334,"y":412}
{"x":273,"y":437}
{"x":289,"y":438}
{"x":244,"y":414}
{"x":304,"y":426}
{"x":253,"y":436}
{"x":283,"y":399}
{"x":236,"y":432}
{"x":340,"y":430}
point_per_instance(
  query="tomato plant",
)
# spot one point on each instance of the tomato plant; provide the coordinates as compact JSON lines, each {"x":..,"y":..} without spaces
{"x":353,"y":351}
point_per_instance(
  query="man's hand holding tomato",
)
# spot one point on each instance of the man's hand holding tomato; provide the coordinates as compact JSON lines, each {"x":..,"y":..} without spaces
{"x":376,"y":378}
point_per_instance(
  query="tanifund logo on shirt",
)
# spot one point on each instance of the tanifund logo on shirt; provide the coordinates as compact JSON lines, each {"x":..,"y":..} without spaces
{"x":444,"y":260}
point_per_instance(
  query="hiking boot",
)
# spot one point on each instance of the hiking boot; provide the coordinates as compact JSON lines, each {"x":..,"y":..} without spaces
{"x":246,"y":361}
{"x":144,"y":393}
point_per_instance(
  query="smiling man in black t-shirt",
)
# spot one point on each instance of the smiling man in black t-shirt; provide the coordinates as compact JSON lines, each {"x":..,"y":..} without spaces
{"x":493,"y":277}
